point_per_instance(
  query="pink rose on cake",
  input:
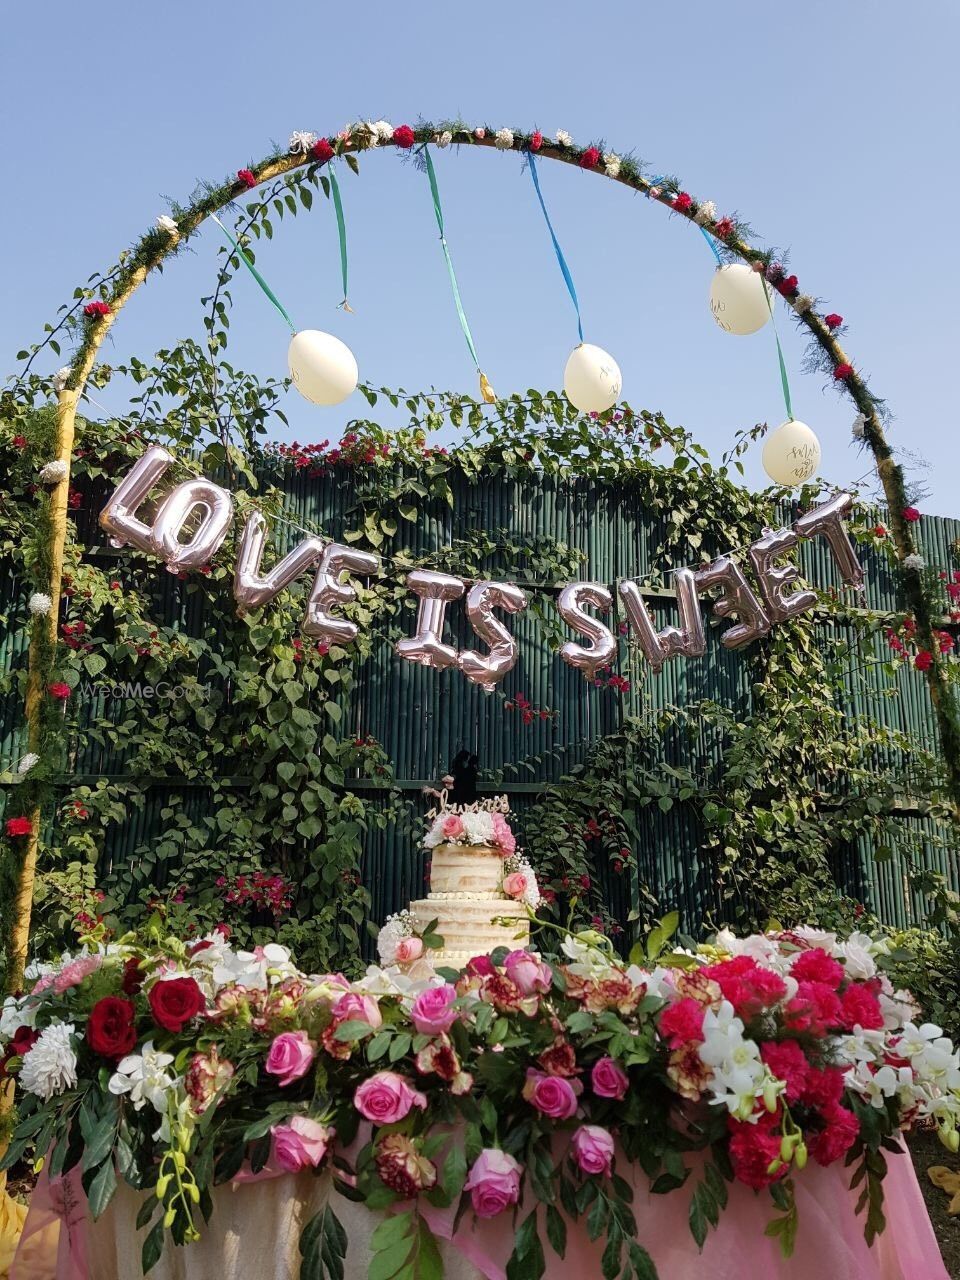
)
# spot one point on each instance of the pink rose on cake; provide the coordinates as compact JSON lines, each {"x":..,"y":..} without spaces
{"x":407,"y":950}
{"x":515,"y":884}
{"x":503,"y":836}
{"x":452,"y":826}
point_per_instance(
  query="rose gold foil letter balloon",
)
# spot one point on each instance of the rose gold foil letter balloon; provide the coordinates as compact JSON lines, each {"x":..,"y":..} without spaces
{"x":488,"y":669}
{"x":773,"y":582}
{"x":688,"y":640}
{"x":736,"y":597}
{"x":328,"y":592}
{"x":828,"y":521}
{"x":602,"y":649}
{"x":216,"y":511}
{"x":251,"y":587}
{"x":435,"y":590}
{"x":117,"y":517}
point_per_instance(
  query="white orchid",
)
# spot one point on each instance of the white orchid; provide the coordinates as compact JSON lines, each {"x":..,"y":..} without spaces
{"x":144,"y":1078}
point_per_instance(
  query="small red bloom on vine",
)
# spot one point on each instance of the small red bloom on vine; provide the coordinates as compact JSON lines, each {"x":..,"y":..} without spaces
{"x":682,"y":202}
{"x":536,"y":141}
{"x":842,"y":372}
{"x":924,"y":660}
{"x":403,"y":136}
{"x":96,"y":310}
{"x":724,"y":228}
{"x":321,"y":151}
{"x":833,"y":321}
{"x":590,"y":158}
{"x":911,"y":514}
{"x":59,"y":690}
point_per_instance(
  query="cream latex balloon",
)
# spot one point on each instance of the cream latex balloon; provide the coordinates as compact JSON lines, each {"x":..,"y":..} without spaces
{"x":323,"y":368}
{"x":592,"y":380}
{"x":736,"y":299}
{"x":791,"y":454}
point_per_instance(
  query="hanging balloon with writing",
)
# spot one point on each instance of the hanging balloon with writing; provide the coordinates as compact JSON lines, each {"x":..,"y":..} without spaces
{"x":689,"y":640}
{"x":329,"y":592}
{"x":603,"y":647}
{"x":487,"y":670}
{"x":253,"y":588}
{"x":436,"y":591}
{"x":215,"y":506}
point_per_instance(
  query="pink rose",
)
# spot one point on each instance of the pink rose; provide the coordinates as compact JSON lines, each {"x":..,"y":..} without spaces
{"x":592,"y":1149}
{"x":291,"y":1056}
{"x":553,"y":1095}
{"x":452,"y":826}
{"x":530,"y":974}
{"x":407,"y":950}
{"x":502,"y":835}
{"x":608,"y":1078}
{"x":386,"y":1098}
{"x":433,"y":1011}
{"x":515,"y":884}
{"x":493,"y":1182}
{"x":357,"y":1008}
{"x":301,"y":1143}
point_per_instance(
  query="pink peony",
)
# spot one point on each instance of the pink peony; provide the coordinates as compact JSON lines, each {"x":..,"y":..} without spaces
{"x":452,"y":826}
{"x":554,"y":1096}
{"x":290,"y":1057}
{"x":356,"y":1008}
{"x":408,"y":949}
{"x":503,"y":836}
{"x":788,"y":1063}
{"x":682,"y":1023}
{"x":816,"y":966}
{"x":839,"y":1135}
{"x":72,"y":974}
{"x":433,"y":1010}
{"x":515,"y":884}
{"x":592,"y":1149}
{"x":608,"y":1078}
{"x":301,"y":1143}
{"x":493,"y":1182}
{"x":386,"y":1098}
{"x":530,"y":974}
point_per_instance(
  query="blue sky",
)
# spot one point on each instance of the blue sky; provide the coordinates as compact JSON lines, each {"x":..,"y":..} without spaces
{"x":831,"y":127}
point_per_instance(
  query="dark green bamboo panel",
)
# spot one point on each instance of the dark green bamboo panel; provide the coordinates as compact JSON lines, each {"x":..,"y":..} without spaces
{"x":424,"y":717}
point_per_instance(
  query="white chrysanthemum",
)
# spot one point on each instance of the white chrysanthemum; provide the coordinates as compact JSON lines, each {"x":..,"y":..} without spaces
{"x":914,"y":562}
{"x":27,"y":762}
{"x":478,"y":827}
{"x":301,"y":141}
{"x":383,"y":129}
{"x":802,"y":303}
{"x":144,"y":1077}
{"x":53,"y":472}
{"x":706,"y":212}
{"x":563,"y":138}
{"x":859,"y":428}
{"x":60,"y":378}
{"x":39,"y":603}
{"x":167,"y":224}
{"x":611,"y":164}
{"x":444,"y":139}
{"x":503,"y":139}
{"x":50,"y":1067}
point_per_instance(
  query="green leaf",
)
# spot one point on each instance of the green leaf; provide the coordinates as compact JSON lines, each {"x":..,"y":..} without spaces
{"x":152,"y":1247}
{"x":100,"y":1142}
{"x":556,"y":1231}
{"x":391,"y":1231}
{"x":102,"y":1188}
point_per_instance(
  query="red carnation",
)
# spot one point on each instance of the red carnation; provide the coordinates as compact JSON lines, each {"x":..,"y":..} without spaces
{"x":822,"y":1089}
{"x":753,"y":1148}
{"x":403,"y":136}
{"x":246,"y":177}
{"x":536,"y":141}
{"x":321,"y":151}
{"x":724,"y":228}
{"x":840,"y":1133}
{"x":682,"y":1023}
{"x":19,"y":826}
{"x":788,"y":1063}
{"x":59,"y":690}
{"x":924,"y":660}
{"x":816,"y":966}
{"x":97,"y":309}
{"x":682,"y":201}
{"x":861,"y":1008}
{"x":174,"y":1001}
{"x":787,"y":287}
{"x":910,"y":514}
{"x":833,"y":321}
{"x":842,"y":372}
{"x":111,"y":1031}
{"x":590,"y":158}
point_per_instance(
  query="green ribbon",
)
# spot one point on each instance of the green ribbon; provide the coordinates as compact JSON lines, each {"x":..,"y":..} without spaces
{"x":783,"y":368}
{"x":241,"y":254}
{"x":446,"y":253}
{"x":342,"y":233}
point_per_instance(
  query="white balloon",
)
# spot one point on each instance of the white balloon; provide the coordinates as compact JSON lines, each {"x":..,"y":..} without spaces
{"x":323,"y":368}
{"x":791,"y":454}
{"x":737,"y":299}
{"x":592,"y":380}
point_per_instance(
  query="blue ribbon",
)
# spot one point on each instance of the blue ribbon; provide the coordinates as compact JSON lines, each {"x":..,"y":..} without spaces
{"x":713,"y":248}
{"x":565,"y":270}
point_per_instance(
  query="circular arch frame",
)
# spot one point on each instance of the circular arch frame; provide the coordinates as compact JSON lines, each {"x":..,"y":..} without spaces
{"x":158,"y":245}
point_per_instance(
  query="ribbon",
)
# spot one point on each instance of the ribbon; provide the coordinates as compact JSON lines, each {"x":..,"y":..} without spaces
{"x":241,"y":254}
{"x":713,"y":248}
{"x":564,"y":269}
{"x":783,"y":368}
{"x":342,"y":233}
{"x":486,"y":391}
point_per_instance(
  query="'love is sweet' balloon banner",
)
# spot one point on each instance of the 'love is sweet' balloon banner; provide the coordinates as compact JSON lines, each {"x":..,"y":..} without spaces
{"x":755,"y":611}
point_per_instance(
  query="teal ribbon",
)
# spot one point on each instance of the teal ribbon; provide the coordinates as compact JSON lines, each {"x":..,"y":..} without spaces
{"x":564,"y":269}
{"x":784,"y":382}
{"x":713,"y":248}
{"x":255,"y":273}
{"x":342,"y":233}
{"x":446,"y":253}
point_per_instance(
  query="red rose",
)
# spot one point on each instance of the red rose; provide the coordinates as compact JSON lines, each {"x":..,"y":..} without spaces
{"x":403,"y":136}
{"x":321,"y":151}
{"x":19,"y":826}
{"x":59,"y":690}
{"x":175,"y":1001}
{"x":788,"y":286}
{"x":96,"y":309}
{"x":833,"y":321}
{"x":536,"y":141}
{"x":842,"y":372}
{"x":24,"y":1038}
{"x":682,"y":201}
{"x":132,"y":977}
{"x":724,"y":228}
{"x":246,"y":177}
{"x":923,"y":661}
{"x":911,"y":514}
{"x":111,"y":1031}
{"x":590,"y":158}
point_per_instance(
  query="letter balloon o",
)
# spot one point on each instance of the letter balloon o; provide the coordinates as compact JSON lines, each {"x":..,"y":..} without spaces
{"x":591,"y":379}
{"x":737,"y":299}
{"x":791,"y":454}
{"x":324,"y":369}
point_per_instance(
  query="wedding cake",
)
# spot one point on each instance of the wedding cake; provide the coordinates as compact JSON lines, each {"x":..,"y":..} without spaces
{"x":480,"y":888}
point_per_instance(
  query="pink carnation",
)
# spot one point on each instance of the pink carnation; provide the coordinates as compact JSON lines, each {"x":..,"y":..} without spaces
{"x":814,"y":1008}
{"x":788,"y":1063}
{"x":554,"y":1096}
{"x":72,"y":974}
{"x":290,"y":1057}
{"x":608,"y":1079}
{"x":386,"y":1098}
{"x":433,"y":1011}
{"x":823,"y":1089}
{"x":816,"y":966}
{"x":493,"y":1182}
{"x":839,"y":1135}
{"x":503,"y":836}
{"x":592,"y":1149}
{"x":682,"y":1023}
{"x":748,"y":986}
{"x":452,"y":826}
{"x":753,"y":1148}
{"x":860,"y":1007}
{"x":301,"y":1143}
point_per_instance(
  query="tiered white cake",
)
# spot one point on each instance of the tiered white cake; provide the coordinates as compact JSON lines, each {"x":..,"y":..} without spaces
{"x":473,"y":854}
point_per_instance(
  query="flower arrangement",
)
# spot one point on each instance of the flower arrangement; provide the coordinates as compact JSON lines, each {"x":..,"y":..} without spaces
{"x":176,"y":1065}
{"x":481,"y":824}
